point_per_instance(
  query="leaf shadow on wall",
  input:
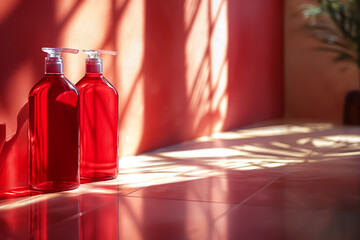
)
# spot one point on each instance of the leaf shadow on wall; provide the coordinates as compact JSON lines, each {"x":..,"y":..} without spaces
{"x":164,"y":74}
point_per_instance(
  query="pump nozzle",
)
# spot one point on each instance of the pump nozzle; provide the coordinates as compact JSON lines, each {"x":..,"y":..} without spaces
{"x":53,"y":61}
{"x":94,"y":62}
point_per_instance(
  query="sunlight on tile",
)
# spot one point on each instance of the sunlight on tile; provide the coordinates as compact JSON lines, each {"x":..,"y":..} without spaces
{"x":202,"y":153}
{"x":277,"y":130}
{"x":139,"y":180}
{"x":319,"y":126}
{"x":262,"y":132}
{"x":20,"y":202}
{"x":141,"y":161}
{"x":272,"y":151}
{"x":326,"y":143}
{"x":91,"y":188}
{"x":281,"y":145}
{"x":290,"y":147}
{"x":344,"y":138}
{"x":345,"y":154}
{"x":247,"y":164}
{"x":164,"y":167}
{"x":333,"y":142}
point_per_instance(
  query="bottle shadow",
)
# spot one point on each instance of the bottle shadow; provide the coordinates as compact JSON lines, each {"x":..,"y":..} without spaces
{"x":14,"y":158}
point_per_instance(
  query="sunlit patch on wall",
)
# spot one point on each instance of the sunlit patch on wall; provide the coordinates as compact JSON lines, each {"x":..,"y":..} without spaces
{"x":84,"y":27}
{"x":130,"y":39}
{"x":65,"y":8}
{"x":6,"y":8}
{"x":132,"y":116}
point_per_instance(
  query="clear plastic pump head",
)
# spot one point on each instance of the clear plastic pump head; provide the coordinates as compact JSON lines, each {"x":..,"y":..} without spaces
{"x":54,"y":61}
{"x":94,"y":62}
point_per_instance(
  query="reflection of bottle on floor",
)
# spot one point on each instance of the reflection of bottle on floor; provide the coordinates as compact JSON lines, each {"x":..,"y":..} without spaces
{"x":98,"y":121}
{"x":54,"y":128}
{"x":53,"y":218}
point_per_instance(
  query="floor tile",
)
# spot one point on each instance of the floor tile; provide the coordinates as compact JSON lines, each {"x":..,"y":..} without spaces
{"x":27,"y":218}
{"x":101,"y":221}
{"x":304,"y":190}
{"x":212,"y":189}
{"x":261,"y":222}
{"x":257,"y":174}
{"x":145,"y":218}
{"x":287,"y":181}
{"x":14,"y":224}
{"x":138,"y":218}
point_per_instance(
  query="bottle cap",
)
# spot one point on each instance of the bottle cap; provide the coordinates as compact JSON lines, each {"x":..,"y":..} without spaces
{"x":54,"y":61}
{"x":94,"y":62}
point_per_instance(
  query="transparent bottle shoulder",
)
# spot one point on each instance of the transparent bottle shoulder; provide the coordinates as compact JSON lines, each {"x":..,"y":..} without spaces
{"x":95,"y":84}
{"x":59,"y":83}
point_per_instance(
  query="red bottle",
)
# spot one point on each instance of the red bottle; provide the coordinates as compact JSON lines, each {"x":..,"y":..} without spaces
{"x":99,"y":119}
{"x":54,"y":128}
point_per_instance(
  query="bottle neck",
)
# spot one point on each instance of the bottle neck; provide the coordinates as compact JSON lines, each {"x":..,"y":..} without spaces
{"x":54,"y":65}
{"x":93,"y":66}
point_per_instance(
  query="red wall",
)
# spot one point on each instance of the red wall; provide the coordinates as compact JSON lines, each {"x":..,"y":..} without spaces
{"x":315,"y":85}
{"x":185,"y":68}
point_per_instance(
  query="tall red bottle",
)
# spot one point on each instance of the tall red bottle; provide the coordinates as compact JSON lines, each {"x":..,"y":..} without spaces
{"x":99,"y":119}
{"x":54,"y":128}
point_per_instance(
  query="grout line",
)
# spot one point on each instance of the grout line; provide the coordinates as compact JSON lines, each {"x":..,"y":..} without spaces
{"x":81,"y":213}
{"x":245,"y":200}
{"x":183,"y":200}
{"x":135,"y":190}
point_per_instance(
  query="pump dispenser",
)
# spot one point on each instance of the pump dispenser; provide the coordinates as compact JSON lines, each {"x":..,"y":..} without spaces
{"x":99,"y":122}
{"x":53,"y":61}
{"x":54,"y":128}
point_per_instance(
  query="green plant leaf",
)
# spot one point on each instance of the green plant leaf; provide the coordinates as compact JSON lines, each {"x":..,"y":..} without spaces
{"x":336,"y":24}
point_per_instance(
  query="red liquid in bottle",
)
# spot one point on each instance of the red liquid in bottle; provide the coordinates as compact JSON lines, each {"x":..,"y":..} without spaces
{"x":98,"y":128}
{"x":54,"y":134}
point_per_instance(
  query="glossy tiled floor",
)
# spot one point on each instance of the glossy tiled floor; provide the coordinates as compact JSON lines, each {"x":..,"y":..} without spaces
{"x":286,"y":181}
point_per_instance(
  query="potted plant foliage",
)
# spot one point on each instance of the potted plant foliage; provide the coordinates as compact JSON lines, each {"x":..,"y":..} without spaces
{"x":336,"y":23}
